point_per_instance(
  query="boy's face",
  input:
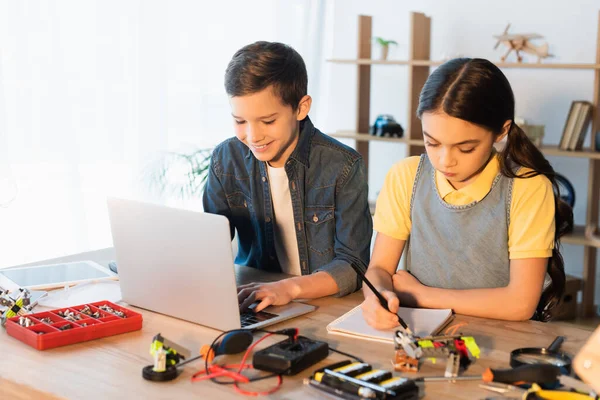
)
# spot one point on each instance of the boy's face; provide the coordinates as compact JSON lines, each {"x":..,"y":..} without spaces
{"x":267,"y":126}
{"x":457,"y":148}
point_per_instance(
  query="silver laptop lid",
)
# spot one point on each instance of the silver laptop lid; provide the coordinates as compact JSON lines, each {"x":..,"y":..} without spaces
{"x":175,"y":262}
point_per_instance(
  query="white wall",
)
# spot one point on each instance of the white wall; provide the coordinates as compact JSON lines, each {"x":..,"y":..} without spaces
{"x":92,"y":92}
{"x":465,"y":27}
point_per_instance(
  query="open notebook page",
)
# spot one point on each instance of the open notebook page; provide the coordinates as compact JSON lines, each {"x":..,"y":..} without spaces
{"x":422,"y":322}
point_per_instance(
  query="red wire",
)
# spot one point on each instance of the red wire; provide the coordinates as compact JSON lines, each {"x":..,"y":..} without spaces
{"x":241,"y":366}
{"x":250,"y":349}
{"x":247,"y":393}
{"x":268,"y":392}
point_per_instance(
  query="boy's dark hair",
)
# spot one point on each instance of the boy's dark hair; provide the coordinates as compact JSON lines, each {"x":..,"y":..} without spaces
{"x":475,"y":90}
{"x":261,"y":64}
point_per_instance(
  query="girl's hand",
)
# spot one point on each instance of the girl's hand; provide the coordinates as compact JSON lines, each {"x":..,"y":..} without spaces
{"x":407,"y":287}
{"x":272,"y":294}
{"x":377,"y":316}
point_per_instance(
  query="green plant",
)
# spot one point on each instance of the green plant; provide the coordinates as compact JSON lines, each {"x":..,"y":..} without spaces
{"x":180,"y":174}
{"x":384,"y":42}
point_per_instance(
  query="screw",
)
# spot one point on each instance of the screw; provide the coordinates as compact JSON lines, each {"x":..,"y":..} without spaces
{"x":86,"y":310}
{"x":47,"y":320}
{"x":26,"y":322}
{"x":111,"y":310}
{"x":65,"y":327}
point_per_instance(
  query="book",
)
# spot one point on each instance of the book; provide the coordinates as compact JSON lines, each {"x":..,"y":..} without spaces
{"x":569,"y":125}
{"x":422,"y":321}
{"x":581,"y":127}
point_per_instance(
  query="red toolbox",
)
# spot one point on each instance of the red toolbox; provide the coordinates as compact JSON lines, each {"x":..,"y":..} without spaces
{"x":75,"y":324}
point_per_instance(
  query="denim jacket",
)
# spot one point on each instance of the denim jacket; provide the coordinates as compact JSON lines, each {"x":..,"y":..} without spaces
{"x":328,"y":187}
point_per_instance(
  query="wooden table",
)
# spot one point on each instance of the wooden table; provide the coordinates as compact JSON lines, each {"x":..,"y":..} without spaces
{"x":110,"y":368}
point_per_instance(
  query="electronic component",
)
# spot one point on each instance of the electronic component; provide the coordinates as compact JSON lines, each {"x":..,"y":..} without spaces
{"x":18,"y":305}
{"x":167,"y":355}
{"x":456,"y":349}
{"x":290,"y":356}
{"x":340,"y":379}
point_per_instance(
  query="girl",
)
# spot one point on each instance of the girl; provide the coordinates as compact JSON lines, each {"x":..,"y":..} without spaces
{"x":484,"y":226}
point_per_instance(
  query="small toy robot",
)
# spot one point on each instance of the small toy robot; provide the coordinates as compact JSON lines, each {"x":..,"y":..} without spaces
{"x":386,"y":126}
{"x":457,"y":349}
{"x":167,"y":355}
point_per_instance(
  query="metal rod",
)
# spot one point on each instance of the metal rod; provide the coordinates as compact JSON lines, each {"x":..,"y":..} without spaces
{"x":556,"y":343}
{"x":445,"y":378}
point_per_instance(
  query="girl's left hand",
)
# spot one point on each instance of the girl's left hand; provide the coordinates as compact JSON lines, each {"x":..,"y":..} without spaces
{"x":408,"y":288}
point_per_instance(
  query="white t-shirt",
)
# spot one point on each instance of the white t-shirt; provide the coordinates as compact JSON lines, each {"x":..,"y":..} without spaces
{"x":286,"y":244}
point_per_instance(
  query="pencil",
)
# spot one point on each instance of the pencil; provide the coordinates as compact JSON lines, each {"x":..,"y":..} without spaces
{"x":382,"y":299}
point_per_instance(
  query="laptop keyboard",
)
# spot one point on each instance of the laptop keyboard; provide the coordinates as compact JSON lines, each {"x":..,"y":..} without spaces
{"x":250,"y":317}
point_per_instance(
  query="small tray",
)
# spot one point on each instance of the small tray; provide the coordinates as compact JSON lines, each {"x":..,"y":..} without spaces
{"x":85,"y":322}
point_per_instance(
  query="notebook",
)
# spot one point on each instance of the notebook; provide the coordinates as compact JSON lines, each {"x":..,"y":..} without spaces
{"x":422,"y":322}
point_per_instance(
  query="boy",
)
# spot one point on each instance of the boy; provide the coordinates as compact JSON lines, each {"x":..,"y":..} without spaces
{"x":297,"y":198}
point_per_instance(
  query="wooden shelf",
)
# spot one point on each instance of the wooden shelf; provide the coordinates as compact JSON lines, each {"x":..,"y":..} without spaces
{"x":368,"y":61}
{"x":366,"y":137}
{"x":577,"y":237}
{"x":585,"y":153}
{"x":420,"y":65}
{"x":433,"y":63}
{"x":548,"y":150}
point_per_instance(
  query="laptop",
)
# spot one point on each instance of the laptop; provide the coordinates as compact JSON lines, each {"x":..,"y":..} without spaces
{"x":180,"y":263}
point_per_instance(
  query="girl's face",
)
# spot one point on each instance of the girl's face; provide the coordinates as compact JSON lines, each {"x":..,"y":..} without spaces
{"x":458,"y":149}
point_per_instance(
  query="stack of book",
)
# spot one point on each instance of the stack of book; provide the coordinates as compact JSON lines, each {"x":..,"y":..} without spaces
{"x":576,"y":126}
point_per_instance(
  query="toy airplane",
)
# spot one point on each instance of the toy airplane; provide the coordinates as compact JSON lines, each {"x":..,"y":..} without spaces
{"x":521,"y":43}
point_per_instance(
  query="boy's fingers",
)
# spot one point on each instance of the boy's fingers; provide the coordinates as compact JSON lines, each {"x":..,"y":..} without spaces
{"x":249,"y":300}
{"x":243,"y":294}
{"x":266,"y":302}
{"x":247,"y":285}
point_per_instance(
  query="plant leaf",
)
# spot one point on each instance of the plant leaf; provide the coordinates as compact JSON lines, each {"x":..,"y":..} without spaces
{"x":180,"y":174}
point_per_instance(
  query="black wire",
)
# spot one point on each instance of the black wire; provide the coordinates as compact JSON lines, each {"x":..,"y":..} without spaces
{"x":210,"y":349}
{"x":346,"y":354}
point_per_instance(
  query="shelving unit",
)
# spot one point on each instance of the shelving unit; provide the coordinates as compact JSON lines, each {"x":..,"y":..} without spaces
{"x":419,"y":64}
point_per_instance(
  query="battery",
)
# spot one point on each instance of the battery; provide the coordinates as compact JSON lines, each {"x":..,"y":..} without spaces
{"x":394,"y":383}
{"x":354,"y":369}
{"x":374,"y":376}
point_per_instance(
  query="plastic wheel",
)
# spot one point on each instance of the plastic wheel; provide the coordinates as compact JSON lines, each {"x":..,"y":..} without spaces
{"x":150,"y":375}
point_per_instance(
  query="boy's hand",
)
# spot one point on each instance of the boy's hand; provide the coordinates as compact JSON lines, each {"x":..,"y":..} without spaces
{"x":377,"y":316}
{"x":272,"y":293}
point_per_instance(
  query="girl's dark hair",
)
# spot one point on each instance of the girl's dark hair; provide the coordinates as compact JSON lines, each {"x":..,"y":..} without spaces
{"x":475,"y":90}
{"x":261,"y":64}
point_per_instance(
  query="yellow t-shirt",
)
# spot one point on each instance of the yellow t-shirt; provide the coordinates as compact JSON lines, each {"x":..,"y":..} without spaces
{"x":531,"y":227}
